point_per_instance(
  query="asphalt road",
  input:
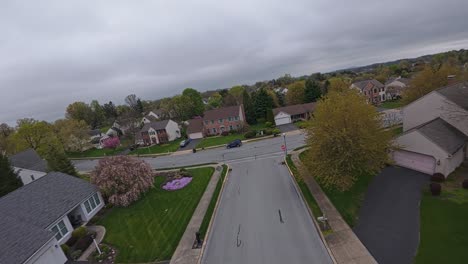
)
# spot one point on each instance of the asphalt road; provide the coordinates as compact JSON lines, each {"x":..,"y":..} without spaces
{"x":250,"y":150}
{"x":248,"y":227}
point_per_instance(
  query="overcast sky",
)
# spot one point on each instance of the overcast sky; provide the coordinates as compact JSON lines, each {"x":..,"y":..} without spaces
{"x":53,"y":53}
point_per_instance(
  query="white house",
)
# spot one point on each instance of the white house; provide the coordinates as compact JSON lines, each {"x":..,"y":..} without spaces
{"x":159,"y":132}
{"x":394,"y":87}
{"x":435,"y":131}
{"x":292,"y":113}
{"x":28,"y":165}
{"x":152,"y":116}
{"x":37,"y":218}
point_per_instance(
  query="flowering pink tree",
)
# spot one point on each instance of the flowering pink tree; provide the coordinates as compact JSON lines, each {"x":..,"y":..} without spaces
{"x":111,"y":142}
{"x":122,"y":179}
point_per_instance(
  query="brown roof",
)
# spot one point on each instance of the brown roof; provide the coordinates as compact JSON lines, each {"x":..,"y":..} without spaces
{"x":363,"y":84}
{"x":224,"y":112}
{"x":295,"y":109}
{"x":158,"y":125}
{"x":194,"y":126}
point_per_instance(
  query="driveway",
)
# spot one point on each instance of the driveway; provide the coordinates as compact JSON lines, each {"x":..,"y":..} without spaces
{"x":389,"y":217}
{"x":287,"y":127}
{"x":191,"y":145}
{"x":262,"y":219}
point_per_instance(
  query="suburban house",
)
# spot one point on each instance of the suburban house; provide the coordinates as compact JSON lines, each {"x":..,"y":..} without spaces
{"x":394,"y":87}
{"x":372,"y":89}
{"x":219,"y":120}
{"x":28,"y":165}
{"x":37,"y":218}
{"x":292,"y":113}
{"x":159,"y":132}
{"x":435,"y":131}
{"x":152,"y":116}
{"x":195,"y":128}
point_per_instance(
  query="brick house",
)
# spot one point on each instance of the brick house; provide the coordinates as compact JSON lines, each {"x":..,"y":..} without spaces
{"x":219,"y":120}
{"x":373,"y":90}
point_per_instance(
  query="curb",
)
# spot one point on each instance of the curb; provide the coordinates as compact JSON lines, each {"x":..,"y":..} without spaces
{"x":208,"y":230}
{"x":322,"y":237}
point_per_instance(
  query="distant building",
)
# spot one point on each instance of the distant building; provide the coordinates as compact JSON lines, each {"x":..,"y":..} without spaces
{"x":394,"y":87}
{"x":292,"y":113}
{"x":29,"y":165}
{"x":159,"y":132}
{"x":372,"y":89}
{"x":219,"y":120}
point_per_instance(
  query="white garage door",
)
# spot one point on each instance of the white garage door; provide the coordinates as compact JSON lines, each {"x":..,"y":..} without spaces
{"x":196,"y":135}
{"x":414,"y":161}
{"x":282,"y":121}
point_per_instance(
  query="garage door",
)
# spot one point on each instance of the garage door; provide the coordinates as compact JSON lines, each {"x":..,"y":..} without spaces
{"x":414,"y":161}
{"x":196,"y":135}
{"x":282,"y":121}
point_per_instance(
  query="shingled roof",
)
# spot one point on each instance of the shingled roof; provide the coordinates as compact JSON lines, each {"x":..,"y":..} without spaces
{"x":457,"y":93}
{"x":443,"y":135}
{"x":28,"y":159}
{"x":194,"y":126}
{"x":295,"y":109}
{"x":26,"y":213}
{"x":362,"y":84}
{"x":158,"y":125}
{"x":223,"y":112}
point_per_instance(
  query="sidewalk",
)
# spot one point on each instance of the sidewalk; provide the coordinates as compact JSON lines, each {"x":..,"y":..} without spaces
{"x":343,"y":243}
{"x":184,"y":254}
{"x":100,"y":233}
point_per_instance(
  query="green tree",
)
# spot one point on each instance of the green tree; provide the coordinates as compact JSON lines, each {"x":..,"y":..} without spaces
{"x":237,"y":92}
{"x":98,"y":115}
{"x":296,"y":93}
{"x":262,"y":103}
{"x":248,"y":108}
{"x":9,"y":180}
{"x":269,"y":116}
{"x":214,"y":101}
{"x":139,"y":106}
{"x":58,"y":161}
{"x":312,"y":91}
{"x":34,"y":134}
{"x":110,"y":111}
{"x":325,"y":87}
{"x":194,"y":102}
{"x":73,"y":134}
{"x":5,"y":142}
{"x":80,"y":111}
{"x":338,"y":84}
{"x":346,"y":140}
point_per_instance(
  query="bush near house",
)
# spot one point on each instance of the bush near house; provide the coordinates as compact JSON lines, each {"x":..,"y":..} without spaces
{"x":435,"y":188}
{"x":438,"y":177}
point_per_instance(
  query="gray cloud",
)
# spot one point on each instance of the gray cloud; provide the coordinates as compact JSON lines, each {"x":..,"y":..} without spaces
{"x":56,"y":52}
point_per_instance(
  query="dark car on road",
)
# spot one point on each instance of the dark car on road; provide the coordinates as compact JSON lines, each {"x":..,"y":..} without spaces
{"x":185,"y":142}
{"x":234,"y":144}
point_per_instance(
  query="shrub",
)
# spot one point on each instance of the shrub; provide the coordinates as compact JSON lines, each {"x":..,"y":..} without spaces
{"x":183,"y":169}
{"x":76,"y":254}
{"x":83,"y":243}
{"x":438,"y":177}
{"x":260,"y":120}
{"x":80,"y":232}
{"x":268,"y":132}
{"x":268,"y":124}
{"x":435,"y":188}
{"x":65,"y":249}
{"x":225,"y":133}
{"x":250,"y":134}
{"x":71,"y":241}
{"x":111,"y":142}
{"x":465,"y":184}
{"x":276,"y":131}
{"x":123,"y":179}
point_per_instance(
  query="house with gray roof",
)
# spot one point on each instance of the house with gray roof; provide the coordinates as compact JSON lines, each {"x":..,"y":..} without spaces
{"x":28,"y":165}
{"x":37,"y":218}
{"x":372,"y":89}
{"x":394,"y":87}
{"x":158,"y":132}
{"x":435,"y":131}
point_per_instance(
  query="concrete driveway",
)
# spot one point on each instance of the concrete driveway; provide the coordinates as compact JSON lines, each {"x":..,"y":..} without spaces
{"x":191,"y":145}
{"x":287,"y":127}
{"x":262,"y":219}
{"x":389,"y":217}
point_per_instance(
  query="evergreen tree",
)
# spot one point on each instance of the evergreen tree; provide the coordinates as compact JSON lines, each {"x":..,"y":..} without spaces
{"x":326,"y":84}
{"x":248,"y":108}
{"x":269,"y":116}
{"x":312,"y":91}
{"x":139,"y":106}
{"x":262,"y":102}
{"x":58,"y":161}
{"x":9,"y":180}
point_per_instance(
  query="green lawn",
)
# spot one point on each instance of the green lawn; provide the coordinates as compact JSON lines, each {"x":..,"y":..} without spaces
{"x":391,"y":104}
{"x":150,"y":229}
{"x":397,"y":131}
{"x":304,"y":189}
{"x":347,"y":202}
{"x":211,"y":206}
{"x":94,"y":152}
{"x":157,"y":149}
{"x":221,"y":140}
{"x":444,"y":236}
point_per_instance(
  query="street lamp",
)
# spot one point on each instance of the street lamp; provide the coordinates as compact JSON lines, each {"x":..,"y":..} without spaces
{"x":285,"y":147}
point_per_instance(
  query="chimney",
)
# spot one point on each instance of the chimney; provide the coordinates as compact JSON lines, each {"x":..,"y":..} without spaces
{"x":451,"y":79}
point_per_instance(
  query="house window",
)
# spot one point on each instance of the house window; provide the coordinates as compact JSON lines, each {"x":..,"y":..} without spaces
{"x":375,"y":90}
{"x":237,"y":118}
{"x":207,"y":122}
{"x":92,"y":203}
{"x":222,"y":129}
{"x":230,"y":118}
{"x":220,"y":120}
{"x":214,"y":130}
{"x":60,"y":230}
{"x":238,"y":126}
{"x":212,"y":122}
{"x":230,"y":128}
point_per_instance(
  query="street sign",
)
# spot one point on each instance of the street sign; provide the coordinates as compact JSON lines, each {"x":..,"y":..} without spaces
{"x":283,"y":147}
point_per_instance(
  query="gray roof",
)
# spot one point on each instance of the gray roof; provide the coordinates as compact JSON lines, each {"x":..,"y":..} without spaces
{"x":20,"y":240}
{"x":295,"y":109}
{"x":155,"y":125}
{"x":443,"y":134}
{"x":405,"y":81}
{"x":28,"y":211}
{"x":457,"y":93}
{"x":362,"y":84}
{"x":46,"y":199}
{"x":29,"y":159}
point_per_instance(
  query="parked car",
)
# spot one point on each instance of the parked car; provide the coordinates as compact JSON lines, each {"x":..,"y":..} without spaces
{"x":185,"y":142}
{"x":234,"y":144}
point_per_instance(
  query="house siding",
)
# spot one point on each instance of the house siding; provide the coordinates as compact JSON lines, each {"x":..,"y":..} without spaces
{"x":172,"y":130}
{"x":236,"y":125}
{"x":50,"y":253}
{"x":25,"y":175}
